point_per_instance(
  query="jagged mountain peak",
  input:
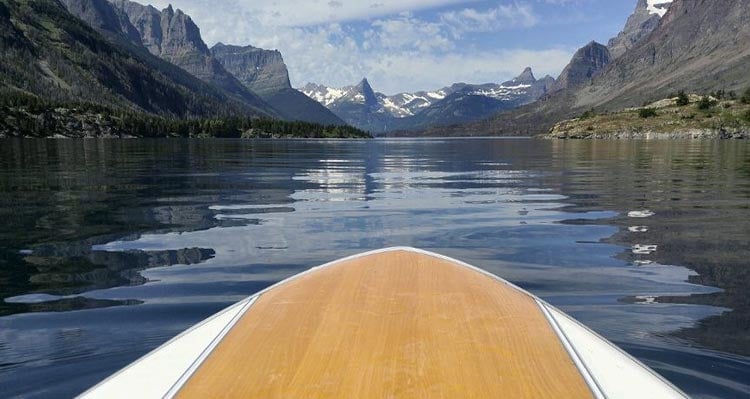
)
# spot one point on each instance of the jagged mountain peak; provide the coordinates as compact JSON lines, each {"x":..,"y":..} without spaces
{"x":362,"y":93}
{"x":639,"y":25}
{"x":526,"y":76}
{"x":586,"y":63}
{"x":364,"y":85}
{"x":173,"y":36}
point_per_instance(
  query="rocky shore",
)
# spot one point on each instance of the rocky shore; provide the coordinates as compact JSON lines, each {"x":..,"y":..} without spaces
{"x":59,"y":123}
{"x":693,"y":118}
{"x":689,"y":134}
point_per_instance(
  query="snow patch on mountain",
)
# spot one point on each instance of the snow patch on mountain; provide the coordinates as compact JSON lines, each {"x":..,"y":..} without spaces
{"x":501,"y":92}
{"x":345,"y":101}
{"x":658,"y":7}
{"x":322,"y":94}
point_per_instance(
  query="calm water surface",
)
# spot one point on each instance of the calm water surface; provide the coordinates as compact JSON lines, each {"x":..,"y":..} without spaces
{"x":110,"y":248}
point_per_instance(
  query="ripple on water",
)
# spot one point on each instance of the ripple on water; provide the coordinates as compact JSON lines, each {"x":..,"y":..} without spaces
{"x":641,"y":214}
{"x":645,"y":262}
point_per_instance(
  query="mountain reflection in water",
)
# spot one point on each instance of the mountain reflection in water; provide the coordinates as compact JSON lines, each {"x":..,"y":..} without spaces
{"x":646,"y":242}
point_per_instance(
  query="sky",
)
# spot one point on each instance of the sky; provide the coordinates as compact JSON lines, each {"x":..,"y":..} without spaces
{"x":410,"y":45}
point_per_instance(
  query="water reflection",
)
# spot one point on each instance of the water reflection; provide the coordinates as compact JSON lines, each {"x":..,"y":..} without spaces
{"x":182,"y":228}
{"x":59,"y":272}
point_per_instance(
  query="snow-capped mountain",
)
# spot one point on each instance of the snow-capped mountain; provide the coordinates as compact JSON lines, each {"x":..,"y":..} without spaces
{"x":403,"y":105}
{"x":358,"y":105}
{"x":323,"y":94}
{"x":400,"y":105}
{"x":361,"y":106}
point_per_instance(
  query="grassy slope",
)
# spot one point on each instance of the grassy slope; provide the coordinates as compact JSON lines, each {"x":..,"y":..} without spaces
{"x":670,"y":119}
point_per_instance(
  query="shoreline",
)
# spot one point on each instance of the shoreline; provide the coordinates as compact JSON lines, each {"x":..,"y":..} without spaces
{"x":690,"y":134}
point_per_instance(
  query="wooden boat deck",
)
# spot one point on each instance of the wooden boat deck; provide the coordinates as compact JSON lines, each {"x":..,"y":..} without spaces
{"x":397,"y":324}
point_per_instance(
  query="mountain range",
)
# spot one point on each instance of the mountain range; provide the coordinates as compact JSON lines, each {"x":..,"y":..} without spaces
{"x":447,"y":110}
{"x":48,"y":52}
{"x":699,"y":46}
{"x":125,"y":55}
{"x":362,"y":107}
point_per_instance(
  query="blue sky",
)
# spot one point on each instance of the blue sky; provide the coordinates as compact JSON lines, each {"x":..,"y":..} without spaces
{"x":409,"y":45}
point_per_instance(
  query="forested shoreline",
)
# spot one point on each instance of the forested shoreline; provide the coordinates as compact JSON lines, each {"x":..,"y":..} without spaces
{"x":28,"y":116}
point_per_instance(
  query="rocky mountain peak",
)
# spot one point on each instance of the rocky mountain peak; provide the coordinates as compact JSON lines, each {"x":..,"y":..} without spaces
{"x":364,"y":85}
{"x":639,"y":25}
{"x":363,"y":92}
{"x":525,"y":78}
{"x":586,"y":63}
{"x":180,"y":33}
{"x":101,"y":16}
{"x":262,"y":71}
{"x":173,"y":36}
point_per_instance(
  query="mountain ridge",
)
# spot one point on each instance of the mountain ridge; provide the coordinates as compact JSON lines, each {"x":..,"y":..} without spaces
{"x":265,"y":73}
{"x":697,"y":46}
{"x":363,"y":107}
{"x":173,"y":36}
{"x":639,"y":25}
{"x":50,"y":53}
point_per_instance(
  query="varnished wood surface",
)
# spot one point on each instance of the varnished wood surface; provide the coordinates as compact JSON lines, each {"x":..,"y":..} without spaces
{"x":390,"y":325}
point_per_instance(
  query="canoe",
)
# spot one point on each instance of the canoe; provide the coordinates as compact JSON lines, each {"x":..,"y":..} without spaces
{"x":393,"y":323}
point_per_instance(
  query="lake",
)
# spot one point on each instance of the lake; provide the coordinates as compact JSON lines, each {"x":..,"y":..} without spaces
{"x":109,"y":248}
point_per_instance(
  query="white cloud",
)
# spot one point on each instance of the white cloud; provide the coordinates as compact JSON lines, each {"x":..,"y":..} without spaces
{"x":491,"y":20}
{"x":394,"y":48}
{"x":426,"y":72}
{"x":307,"y":12}
{"x":407,"y":33}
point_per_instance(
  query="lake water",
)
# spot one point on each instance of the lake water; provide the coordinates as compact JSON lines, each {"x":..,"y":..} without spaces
{"x":109,"y":248}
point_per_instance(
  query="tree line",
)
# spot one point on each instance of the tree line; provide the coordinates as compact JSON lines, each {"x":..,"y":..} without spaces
{"x":27,"y":115}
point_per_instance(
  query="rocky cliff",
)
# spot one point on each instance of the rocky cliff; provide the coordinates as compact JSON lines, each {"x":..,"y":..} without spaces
{"x":639,"y":25}
{"x":586,"y":63}
{"x":698,"y":46}
{"x":100,"y":15}
{"x":265,"y":73}
{"x":49,"y":53}
{"x":173,"y":36}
